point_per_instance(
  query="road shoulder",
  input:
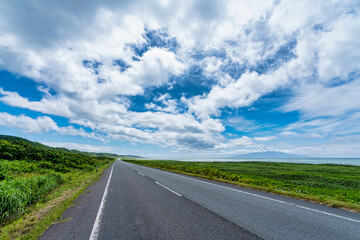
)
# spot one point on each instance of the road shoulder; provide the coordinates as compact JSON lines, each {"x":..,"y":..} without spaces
{"x":79,"y":218}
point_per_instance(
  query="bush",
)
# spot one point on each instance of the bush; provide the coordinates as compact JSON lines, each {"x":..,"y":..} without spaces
{"x":21,"y":159}
{"x":16,"y":195}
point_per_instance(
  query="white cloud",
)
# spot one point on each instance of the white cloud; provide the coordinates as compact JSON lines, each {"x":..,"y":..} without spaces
{"x":242,"y":124}
{"x":239,"y":93}
{"x":51,"y":41}
{"x":42,"y":125}
{"x":56,"y":106}
{"x":237,"y":143}
{"x":155,"y":67}
{"x":335,"y":147}
{"x":338,"y":49}
{"x":80,"y":147}
{"x":264,"y":139}
{"x":332,"y":102}
{"x":333,"y":126}
{"x":325,"y":110}
{"x":27,"y":124}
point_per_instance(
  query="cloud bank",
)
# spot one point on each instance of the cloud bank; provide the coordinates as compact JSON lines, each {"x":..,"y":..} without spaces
{"x":167,"y":72}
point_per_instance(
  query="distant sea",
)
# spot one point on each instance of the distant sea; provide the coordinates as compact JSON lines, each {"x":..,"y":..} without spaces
{"x":344,"y":161}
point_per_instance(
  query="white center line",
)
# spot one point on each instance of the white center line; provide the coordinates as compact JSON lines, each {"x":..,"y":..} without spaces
{"x":236,"y":190}
{"x":96,"y":227}
{"x":140,"y":173}
{"x":168,"y":189}
{"x":256,"y":195}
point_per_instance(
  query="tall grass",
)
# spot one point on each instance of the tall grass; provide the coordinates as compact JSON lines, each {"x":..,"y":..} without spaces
{"x":30,"y":170}
{"x":17,"y":194}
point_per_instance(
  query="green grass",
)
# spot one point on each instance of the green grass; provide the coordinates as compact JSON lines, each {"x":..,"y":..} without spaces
{"x":17,"y":194}
{"x":37,"y":183}
{"x":329,"y":184}
{"x":48,"y":210}
{"x":23,"y":183}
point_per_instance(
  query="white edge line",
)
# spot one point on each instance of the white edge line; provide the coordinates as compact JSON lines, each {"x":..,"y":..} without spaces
{"x":168,"y":189}
{"x":96,"y":227}
{"x":330,"y":214}
{"x":140,"y":173}
{"x":256,"y":195}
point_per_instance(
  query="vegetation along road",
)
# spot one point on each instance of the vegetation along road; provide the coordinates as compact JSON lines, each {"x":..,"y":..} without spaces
{"x":37,"y":183}
{"x":138,"y":202}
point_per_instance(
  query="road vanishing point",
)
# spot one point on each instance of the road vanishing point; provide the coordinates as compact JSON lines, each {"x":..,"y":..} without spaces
{"x":136,"y":202}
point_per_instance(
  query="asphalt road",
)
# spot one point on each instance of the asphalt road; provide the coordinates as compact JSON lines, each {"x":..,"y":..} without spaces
{"x":146,"y":203}
{"x":78,"y":220}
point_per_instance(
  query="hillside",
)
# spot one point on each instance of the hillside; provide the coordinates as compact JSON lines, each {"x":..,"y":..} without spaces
{"x":36,"y":144}
{"x":61,"y":160}
{"x":30,"y":170}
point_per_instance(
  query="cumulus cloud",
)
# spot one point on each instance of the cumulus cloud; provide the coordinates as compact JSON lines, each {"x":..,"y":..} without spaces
{"x":95,"y":61}
{"x":27,"y":124}
{"x":264,"y":139}
{"x":42,"y":125}
{"x":239,"y":93}
{"x":318,"y":49}
{"x":79,"y":147}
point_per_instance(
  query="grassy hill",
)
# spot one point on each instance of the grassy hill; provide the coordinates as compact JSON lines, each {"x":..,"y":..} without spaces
{"x":29,"y":171}
{"x":59,"y":160}
{"x":18,"y":140}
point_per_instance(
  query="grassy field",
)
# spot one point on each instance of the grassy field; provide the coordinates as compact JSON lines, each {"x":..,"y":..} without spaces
{"x":332,"y":185}
{"x":37,"y":183}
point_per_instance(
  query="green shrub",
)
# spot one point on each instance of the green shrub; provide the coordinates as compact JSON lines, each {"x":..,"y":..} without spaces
{"x":21,"y":164}
{"x":16,"y":195}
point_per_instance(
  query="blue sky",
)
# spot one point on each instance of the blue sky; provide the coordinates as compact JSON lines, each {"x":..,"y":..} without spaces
{"x":166,"y":79}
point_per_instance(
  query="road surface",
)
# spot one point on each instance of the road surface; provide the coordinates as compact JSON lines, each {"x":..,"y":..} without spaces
{"x":136,"y":202}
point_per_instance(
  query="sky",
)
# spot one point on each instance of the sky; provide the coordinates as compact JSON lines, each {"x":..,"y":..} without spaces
{"x":167,"y":79}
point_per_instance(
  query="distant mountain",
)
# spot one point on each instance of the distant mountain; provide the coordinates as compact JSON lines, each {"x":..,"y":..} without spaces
{"x":269,"y":154}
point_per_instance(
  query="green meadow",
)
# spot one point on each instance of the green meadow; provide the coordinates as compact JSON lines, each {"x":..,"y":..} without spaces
{"x":329,"y":184}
